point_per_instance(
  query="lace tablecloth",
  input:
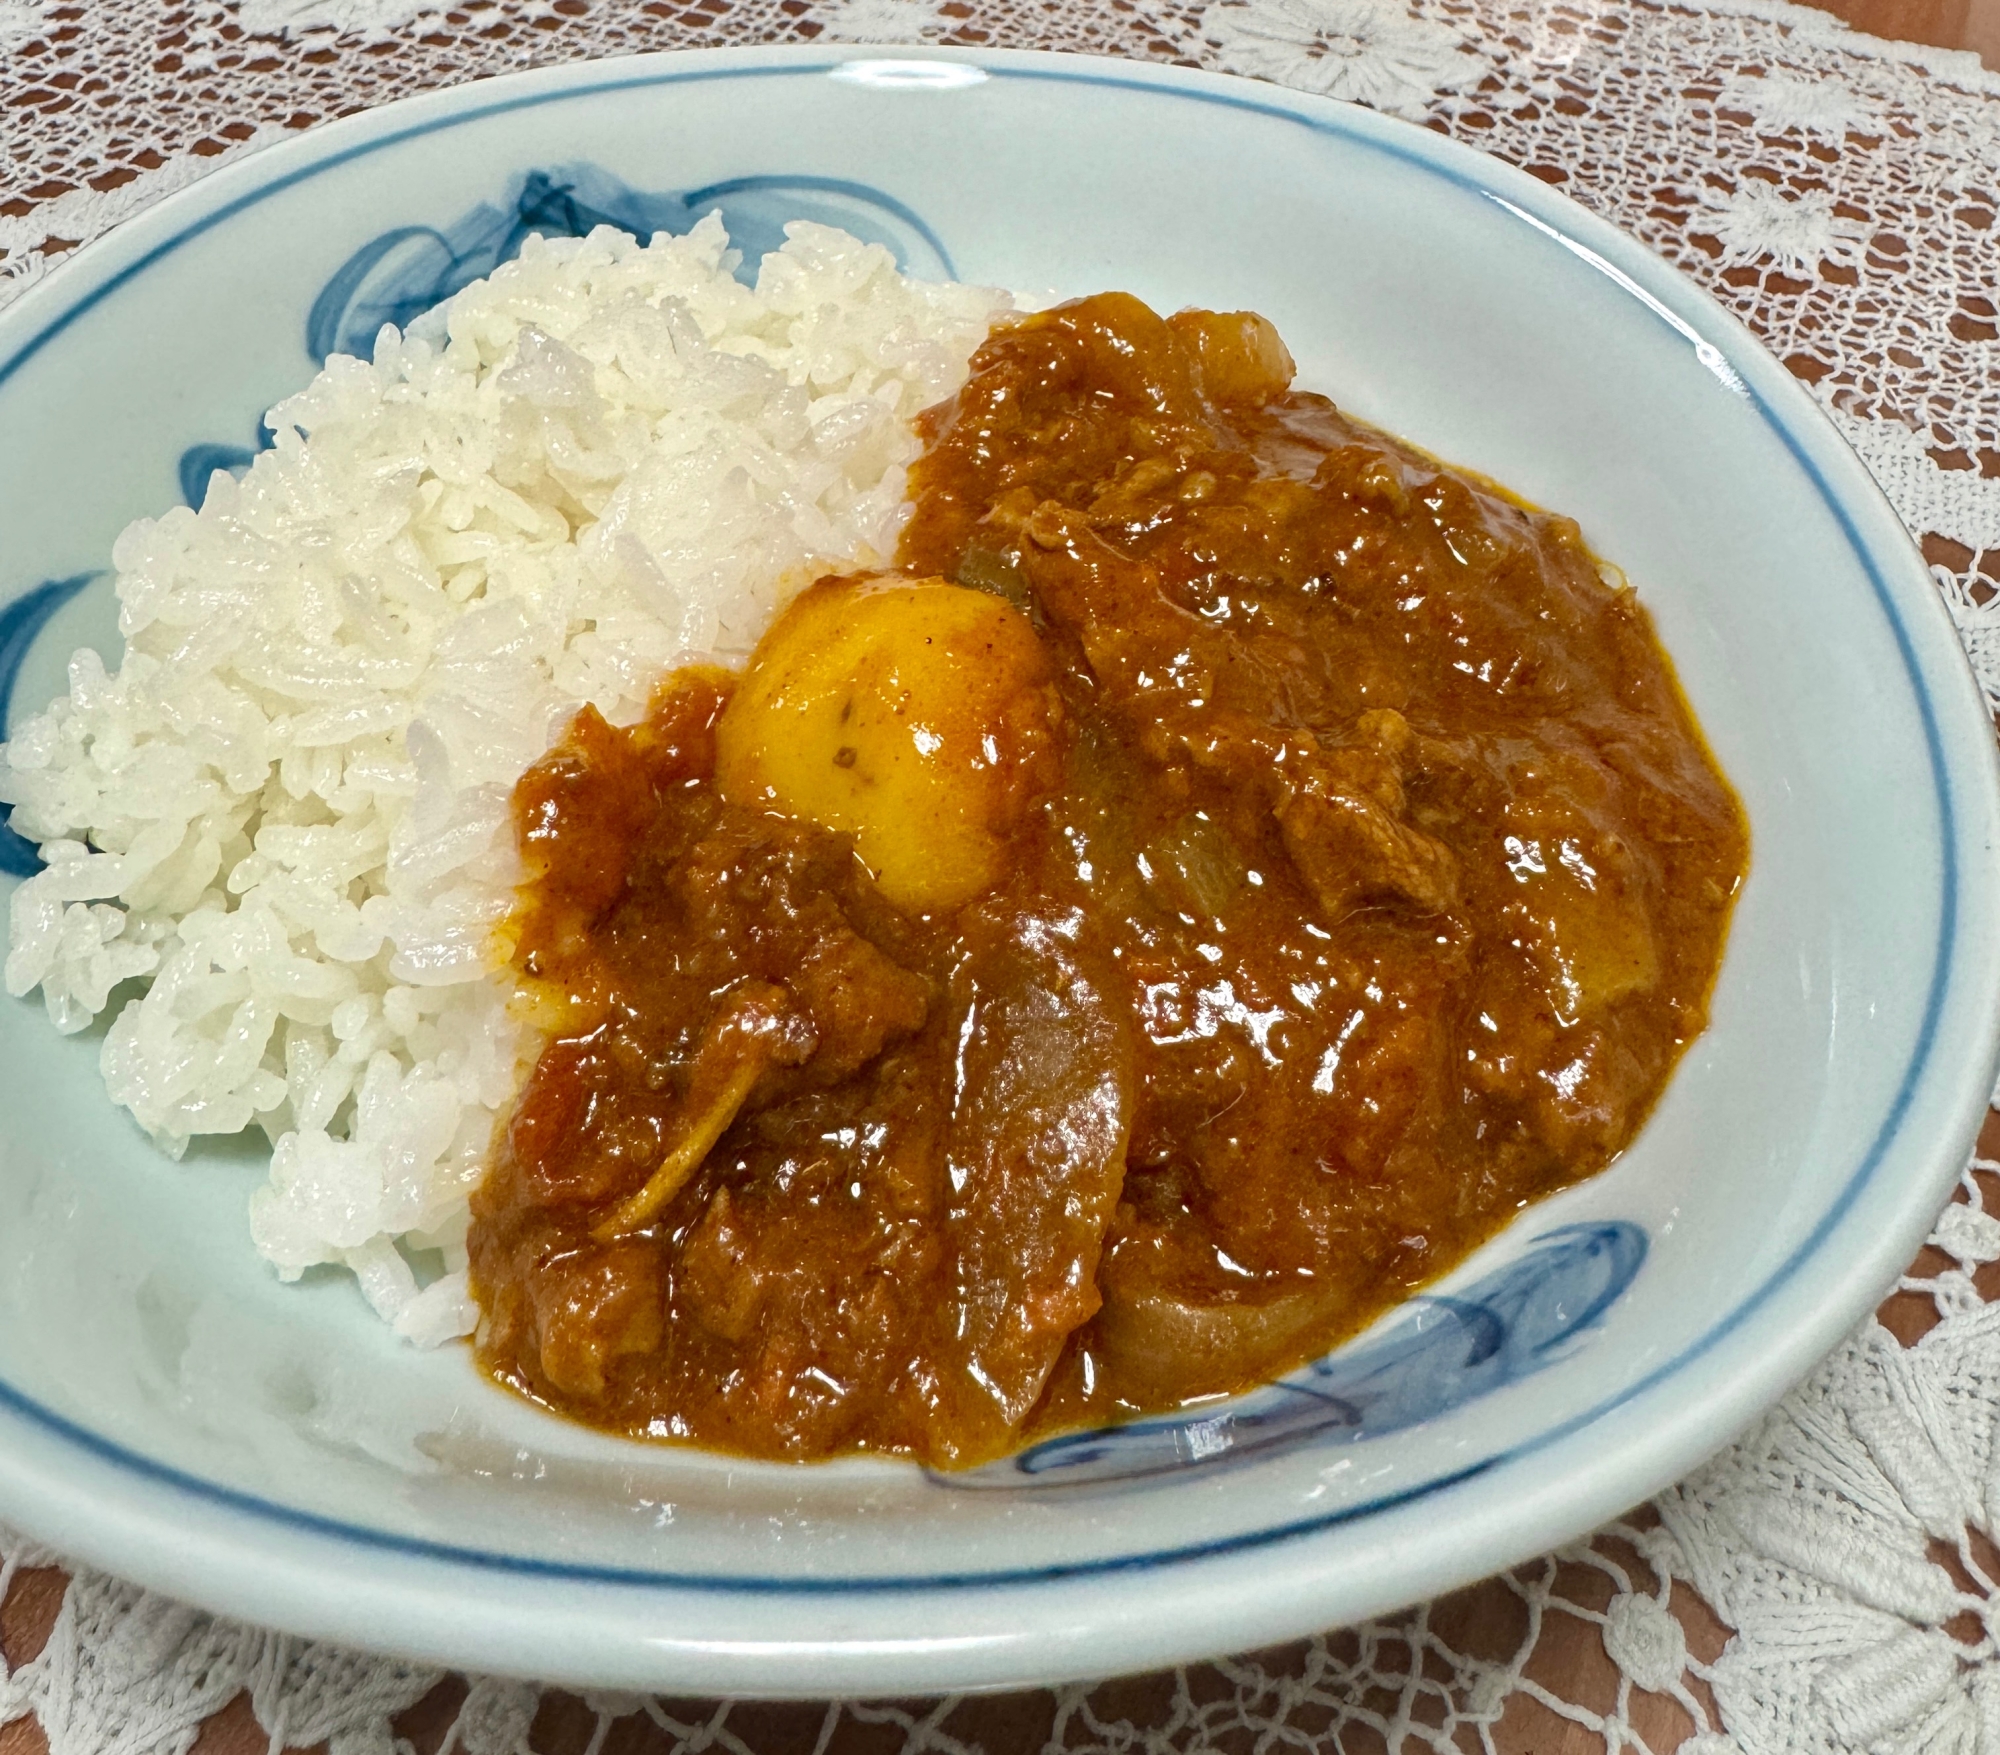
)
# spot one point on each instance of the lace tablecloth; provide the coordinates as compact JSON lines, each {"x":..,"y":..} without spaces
{"x":1824,"y":1585}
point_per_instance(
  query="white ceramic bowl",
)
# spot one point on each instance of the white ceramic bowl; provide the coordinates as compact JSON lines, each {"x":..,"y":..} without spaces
{"x":168,"y":1411}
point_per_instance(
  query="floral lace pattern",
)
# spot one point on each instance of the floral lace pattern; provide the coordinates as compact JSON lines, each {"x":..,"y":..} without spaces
{"x":1841,"y":195}
{"x":1368,"y":52}
{"x":1849,"y":1539}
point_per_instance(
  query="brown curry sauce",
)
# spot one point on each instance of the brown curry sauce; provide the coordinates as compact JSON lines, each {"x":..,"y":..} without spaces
{"x":1361,"y":876}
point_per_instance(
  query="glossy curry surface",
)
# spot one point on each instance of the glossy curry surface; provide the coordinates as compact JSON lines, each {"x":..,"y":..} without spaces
{"x":1232,"y":866}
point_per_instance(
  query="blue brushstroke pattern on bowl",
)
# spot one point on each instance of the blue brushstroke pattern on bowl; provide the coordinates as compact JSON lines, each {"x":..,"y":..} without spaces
{"x":1436,"y":1354}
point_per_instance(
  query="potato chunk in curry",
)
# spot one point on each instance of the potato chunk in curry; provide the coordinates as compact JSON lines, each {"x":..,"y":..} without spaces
{"x":914,"y":717}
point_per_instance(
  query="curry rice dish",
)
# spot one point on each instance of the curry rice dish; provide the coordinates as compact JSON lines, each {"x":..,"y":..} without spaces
{"x":1228,"y":867}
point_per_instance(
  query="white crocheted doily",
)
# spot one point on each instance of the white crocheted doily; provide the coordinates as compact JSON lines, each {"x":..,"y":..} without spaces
{"x":1841,"y":194}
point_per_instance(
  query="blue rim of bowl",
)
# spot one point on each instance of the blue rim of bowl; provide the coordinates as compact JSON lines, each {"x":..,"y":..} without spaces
{"x":1330,"y":123}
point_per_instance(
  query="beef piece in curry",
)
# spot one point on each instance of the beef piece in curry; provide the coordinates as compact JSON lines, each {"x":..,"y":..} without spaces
{"x":1235,"y":865}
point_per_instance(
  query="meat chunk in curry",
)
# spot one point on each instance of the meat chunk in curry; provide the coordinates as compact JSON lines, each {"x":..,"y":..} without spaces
{"x":1230,"y":867}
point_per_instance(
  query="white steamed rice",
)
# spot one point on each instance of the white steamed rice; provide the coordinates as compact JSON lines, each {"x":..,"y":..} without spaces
{"x":286,"y":814}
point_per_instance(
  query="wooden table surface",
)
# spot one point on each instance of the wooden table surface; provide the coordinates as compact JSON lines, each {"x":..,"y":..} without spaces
{"x":1946,"y":24}
{"x":1570,"y":1659}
